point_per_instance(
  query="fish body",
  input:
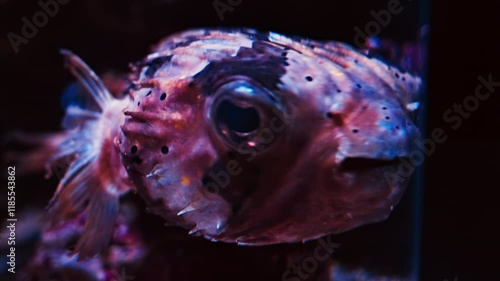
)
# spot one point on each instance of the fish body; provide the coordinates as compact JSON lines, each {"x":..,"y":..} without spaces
{"x":240,"y":136}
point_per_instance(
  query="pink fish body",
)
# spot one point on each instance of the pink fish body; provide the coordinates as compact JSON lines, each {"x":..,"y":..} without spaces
{"x":242,"y":137}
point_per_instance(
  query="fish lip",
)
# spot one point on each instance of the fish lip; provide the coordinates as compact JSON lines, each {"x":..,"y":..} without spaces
{"x":350,"y":164}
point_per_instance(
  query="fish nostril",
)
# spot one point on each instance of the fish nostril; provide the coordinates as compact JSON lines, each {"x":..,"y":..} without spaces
{"x":164,"y":149}
{"x":133,"y":149}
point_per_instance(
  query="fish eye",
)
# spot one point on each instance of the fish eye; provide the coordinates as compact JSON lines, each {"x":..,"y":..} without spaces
{"x":238,"y":117}
{"x":244,"y":114}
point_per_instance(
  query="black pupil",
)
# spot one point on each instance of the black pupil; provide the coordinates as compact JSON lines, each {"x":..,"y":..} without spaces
{"x":236,"y":118}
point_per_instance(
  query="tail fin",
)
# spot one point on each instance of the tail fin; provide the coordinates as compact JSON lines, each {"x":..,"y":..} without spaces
{"x":95,"y":178}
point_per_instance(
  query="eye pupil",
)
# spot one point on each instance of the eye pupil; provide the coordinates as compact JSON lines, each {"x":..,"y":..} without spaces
{"x":237,"y":118}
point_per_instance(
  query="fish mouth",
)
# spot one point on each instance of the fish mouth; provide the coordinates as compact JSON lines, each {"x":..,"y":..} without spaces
{"x":350,"y":164}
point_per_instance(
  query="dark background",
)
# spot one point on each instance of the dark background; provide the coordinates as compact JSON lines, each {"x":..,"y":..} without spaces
{"x":460,"y":198}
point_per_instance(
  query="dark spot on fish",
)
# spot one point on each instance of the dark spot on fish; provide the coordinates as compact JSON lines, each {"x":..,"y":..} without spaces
{"x":148,"y":94}
{"x":163,"y":96}
{"x":396,"y":75}
{"x":355,"y":131}
{"x":309,"y":78}
{"x":337,"y":119}
{"x":284,"y":54}
{"x":155,"y":64}
{"x":133,"y":149}
{"x":384,"y":108}
{"x":339,"y":91}
{"x":397,"y":127}
{"x":139,"y":103}
{"x":262,"y":62}
{"x":387,"y":117}
{"x":358,"y":85}
{"x":164,"y":149}
{"x":356,"y":61}
{"x":403,"y":78}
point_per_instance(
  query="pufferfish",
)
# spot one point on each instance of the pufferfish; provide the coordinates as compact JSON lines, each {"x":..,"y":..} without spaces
{"x":241,"y":137}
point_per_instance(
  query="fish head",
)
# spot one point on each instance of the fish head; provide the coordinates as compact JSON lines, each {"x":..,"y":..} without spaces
{"x":258,"y":139}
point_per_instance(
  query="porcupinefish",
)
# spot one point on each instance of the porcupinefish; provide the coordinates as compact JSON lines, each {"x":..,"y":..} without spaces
{"x":239,"y":136}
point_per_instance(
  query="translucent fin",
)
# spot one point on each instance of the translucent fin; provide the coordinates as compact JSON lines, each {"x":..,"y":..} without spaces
{"x":87,"y":78}
{"x":94,"y":179}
